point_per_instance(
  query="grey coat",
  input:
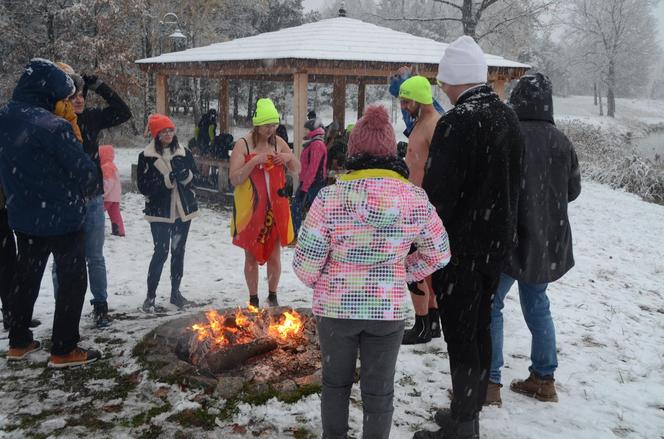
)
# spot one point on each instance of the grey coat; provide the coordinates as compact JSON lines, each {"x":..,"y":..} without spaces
{"x":550,"y":180}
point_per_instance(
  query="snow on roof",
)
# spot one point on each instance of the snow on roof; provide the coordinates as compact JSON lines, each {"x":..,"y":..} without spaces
{"x":340,"y":38}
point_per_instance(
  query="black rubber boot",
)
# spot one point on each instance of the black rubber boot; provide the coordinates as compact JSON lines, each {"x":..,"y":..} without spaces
{"x":434,"y":323}
{"x":148,"y":305}
{"x":451,"y":429}
{"x":419,"y":333}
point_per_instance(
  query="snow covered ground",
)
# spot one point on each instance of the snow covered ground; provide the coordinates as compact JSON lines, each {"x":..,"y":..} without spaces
{"x":609,"y":314}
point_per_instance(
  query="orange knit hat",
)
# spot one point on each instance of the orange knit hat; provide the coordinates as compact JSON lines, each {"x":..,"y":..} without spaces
{"x":159,"y":122}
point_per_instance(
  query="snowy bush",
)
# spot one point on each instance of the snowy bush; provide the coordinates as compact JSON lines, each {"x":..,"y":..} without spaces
{"x":608,"y":158}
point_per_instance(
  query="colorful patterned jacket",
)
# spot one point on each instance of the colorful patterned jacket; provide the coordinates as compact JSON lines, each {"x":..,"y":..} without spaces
{"x":353,"y":249}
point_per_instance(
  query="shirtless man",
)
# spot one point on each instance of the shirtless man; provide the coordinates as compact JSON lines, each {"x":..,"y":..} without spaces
{"x":416,"y":99}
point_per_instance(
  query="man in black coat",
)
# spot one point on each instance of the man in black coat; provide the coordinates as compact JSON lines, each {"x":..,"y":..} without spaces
{"x":550,"y":180}
{"x":91,"y":122}
{"x":472,"y":178}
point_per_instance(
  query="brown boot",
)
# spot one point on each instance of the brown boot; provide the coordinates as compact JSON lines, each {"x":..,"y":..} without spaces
{"x":493,"y":395}
{"x":543,"y":389}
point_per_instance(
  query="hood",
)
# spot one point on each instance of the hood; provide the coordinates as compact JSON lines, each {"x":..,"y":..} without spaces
{"x":43,"y":84}
{"x":106,"y":154}
{"x":317,"y":132}
{"x":532,"y":98}
{"x":373,"y":196}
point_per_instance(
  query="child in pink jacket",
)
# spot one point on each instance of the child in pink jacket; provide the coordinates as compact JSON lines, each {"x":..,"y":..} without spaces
{"x":112,"y":189}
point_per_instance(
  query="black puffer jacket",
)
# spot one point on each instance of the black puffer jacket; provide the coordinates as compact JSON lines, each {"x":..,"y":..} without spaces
{"x":550,"y":180}
{"x":472,"y":177}
{"x":165,"y":199}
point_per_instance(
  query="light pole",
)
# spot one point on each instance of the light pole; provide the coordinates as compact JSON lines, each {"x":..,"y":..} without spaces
{"x":167,"y":20}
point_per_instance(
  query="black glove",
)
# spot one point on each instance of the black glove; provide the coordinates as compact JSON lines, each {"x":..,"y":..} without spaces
{"x":91,"y":81}
{"x":178,"y":162}
{"x":413,"y":288}
{"x":181,"y":174}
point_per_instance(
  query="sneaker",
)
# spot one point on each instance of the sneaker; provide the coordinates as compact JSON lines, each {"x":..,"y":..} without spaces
{"x":77,"y":357}
{"x":178,"y":300}
{"x":434,"y":322}
{"x":272,"y":300}
{"x":102,"y":320}
{"x":419,"y":333}
{"x":493,"y":395}
{"x":542,"y":389}
{"x":148,"y":305}
{"x":16,"y":354}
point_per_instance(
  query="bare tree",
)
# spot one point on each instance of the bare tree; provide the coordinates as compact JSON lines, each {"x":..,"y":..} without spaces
{"x":614,"y":36}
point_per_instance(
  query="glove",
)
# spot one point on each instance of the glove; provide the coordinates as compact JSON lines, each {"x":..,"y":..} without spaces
{"x":181,"y":174}
{"x":91,"y":81}
{"x":178,"y":162}
{"x":413,"y":288}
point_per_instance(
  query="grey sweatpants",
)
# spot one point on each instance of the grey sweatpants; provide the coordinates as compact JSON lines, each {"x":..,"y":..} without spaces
{"x":378,"y":342}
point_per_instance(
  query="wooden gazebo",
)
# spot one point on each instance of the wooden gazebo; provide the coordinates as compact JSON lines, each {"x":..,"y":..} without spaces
{"x":339,"y":50}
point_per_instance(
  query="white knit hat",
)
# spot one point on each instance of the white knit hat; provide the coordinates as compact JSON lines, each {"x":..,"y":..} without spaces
{"x":463,"y":63}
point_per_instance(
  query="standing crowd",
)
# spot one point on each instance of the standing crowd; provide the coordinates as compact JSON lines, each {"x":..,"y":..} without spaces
{"x":478,"y":204}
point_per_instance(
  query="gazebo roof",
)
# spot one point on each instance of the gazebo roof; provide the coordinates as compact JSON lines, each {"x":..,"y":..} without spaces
{"x":334,"y":39}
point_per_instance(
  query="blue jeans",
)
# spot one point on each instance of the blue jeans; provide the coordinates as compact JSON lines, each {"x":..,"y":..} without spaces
{"x":95,"y":229}
{"x":301,"y":203}
{"x":535,"y":308}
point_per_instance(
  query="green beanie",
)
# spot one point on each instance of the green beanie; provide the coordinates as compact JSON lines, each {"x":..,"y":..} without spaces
{"x":416,"y":89}
{"x":349,"y":128}
{"x":266,"y":113}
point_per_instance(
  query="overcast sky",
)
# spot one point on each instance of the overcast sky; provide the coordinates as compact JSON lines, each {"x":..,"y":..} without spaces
{"x":659,"y":14}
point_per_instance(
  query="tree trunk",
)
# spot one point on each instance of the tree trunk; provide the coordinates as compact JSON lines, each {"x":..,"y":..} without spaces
{"x":610,"y":97}
{"x":468,"y":19}
{"x":595,"y":92}
{"x":601,"y":107}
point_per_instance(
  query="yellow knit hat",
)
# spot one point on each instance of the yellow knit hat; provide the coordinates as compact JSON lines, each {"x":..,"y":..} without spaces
{"x":266,"y":113}
{"x":416,"y":89}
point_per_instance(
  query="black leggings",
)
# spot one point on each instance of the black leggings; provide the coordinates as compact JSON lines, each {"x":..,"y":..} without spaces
{"x":165,"y":235}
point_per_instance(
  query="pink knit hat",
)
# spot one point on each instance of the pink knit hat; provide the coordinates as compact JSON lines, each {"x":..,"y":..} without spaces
{"x":373,"y":134}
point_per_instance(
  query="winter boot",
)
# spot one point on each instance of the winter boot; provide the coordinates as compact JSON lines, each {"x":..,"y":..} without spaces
{"x":253,"y":301}
{"x":451,"y":429}
{"x":16,"y":354}
{"x":178,"y":299}
{"x":148,"y":305}
{"x":102,"y":320}
{"x":115,"y":230}
{"x":34,"y":323}
{"x":493,"y":395}
{"x":434,"y":322}
{"x":77,"y":357}
{"x":542,"y":389}
{"x":272,"y":299}
{"x":419,"y":333}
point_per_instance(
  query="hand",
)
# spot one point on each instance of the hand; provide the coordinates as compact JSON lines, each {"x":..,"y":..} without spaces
{"x":414,"y":287}
{"x":181,"y":174}
{"x":282,"y":158}
{"x":91,"y":81}
{"x":178,"y":162}
{"x":261,"y":159}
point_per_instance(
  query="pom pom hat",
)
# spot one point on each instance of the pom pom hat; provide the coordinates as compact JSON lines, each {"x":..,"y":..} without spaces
{"x":266,"y":113}
{"x":158,"y":123}
{"x":373,"y":134}
{"x":416,"y":89}
{"x":463,"y":63}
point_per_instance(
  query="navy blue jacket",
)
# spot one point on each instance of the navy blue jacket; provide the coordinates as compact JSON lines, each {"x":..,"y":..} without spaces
{"x":44,"y":171}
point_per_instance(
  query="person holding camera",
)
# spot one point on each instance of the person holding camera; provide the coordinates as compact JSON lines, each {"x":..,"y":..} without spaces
{"x":166,"y":172}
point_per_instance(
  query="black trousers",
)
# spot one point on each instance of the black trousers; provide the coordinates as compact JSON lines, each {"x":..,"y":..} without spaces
{"x":165,"y":235}
{"x":69,"y":255}
{"x":465,"y":292}
{"x":7,"y":260}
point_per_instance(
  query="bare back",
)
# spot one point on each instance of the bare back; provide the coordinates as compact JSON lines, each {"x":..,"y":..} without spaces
{"x":418,"y":146}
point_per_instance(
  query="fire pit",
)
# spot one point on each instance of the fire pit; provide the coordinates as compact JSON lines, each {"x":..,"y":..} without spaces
{"x":236,"y":350}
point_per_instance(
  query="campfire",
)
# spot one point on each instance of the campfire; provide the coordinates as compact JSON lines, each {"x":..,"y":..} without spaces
{"x":250,"y":337}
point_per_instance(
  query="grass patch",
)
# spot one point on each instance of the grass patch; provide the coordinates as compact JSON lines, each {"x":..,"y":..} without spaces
{"x":30,"y":421}
{"x":144,"y":418}
{"x":194,"y":418}
{"x":154,"y":432}
{"x":88,"y":420}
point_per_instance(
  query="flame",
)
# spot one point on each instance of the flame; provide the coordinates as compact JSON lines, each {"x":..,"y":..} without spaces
{"x":243,"y":328}
{"x":291,"y":326}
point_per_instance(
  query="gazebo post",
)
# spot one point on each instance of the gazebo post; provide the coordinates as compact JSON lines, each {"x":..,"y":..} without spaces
{"x":300,"y":81}
{"x":361,"y":98}
{"x":161,"y":82}
{"x":339,"y":101}
{"x":223,"y":106}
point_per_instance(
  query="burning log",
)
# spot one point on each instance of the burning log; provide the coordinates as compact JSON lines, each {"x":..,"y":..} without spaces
{"x":229,"y":357}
